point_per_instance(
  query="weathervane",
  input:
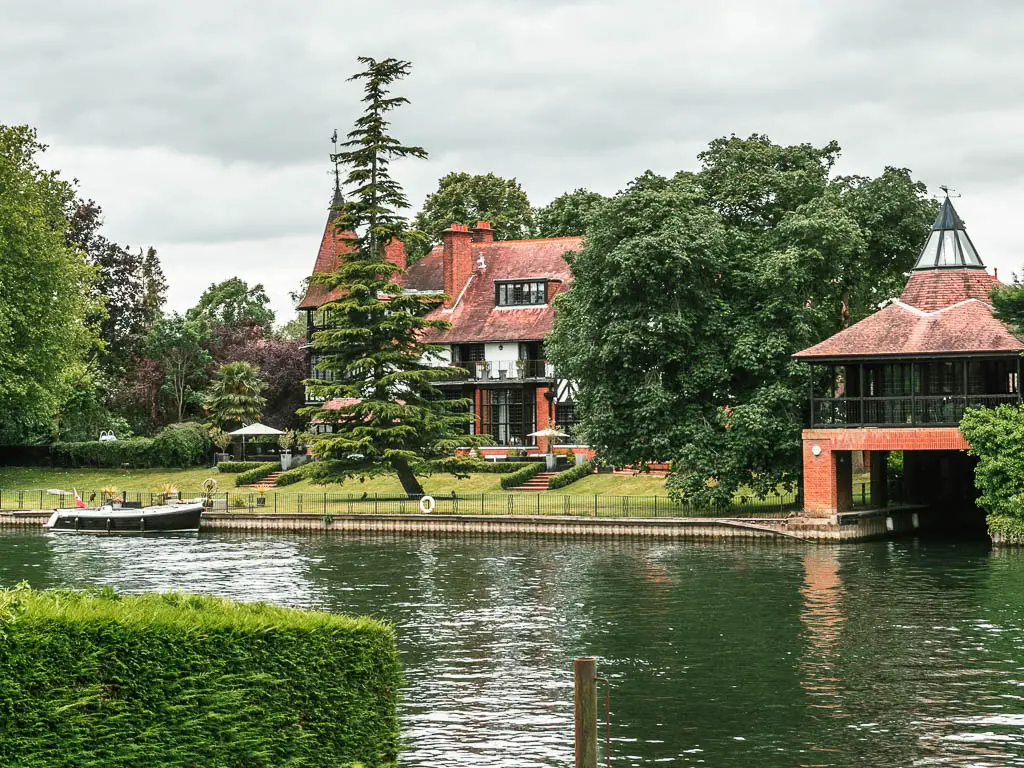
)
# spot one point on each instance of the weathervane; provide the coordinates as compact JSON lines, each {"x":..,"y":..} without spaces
{"x":949,"y":191}
{"x":334,"y":157}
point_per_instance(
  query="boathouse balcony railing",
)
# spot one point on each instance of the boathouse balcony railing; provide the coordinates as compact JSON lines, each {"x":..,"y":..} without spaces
{"x":929,"y":410}
{"x":506,"y":370}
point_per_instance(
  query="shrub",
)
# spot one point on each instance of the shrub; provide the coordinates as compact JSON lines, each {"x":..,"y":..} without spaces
{"x":257,"y":473}
{"x":294,"y":475}
{"x":232,"y":467}
{"x":521,"y":475}
{"x":570,"y":475}
{"x":135,"y":452}
{"x":462,"y":465}
{"x":995,"y":435}
{"x":94,"y":679}
{"x":182,"y":445}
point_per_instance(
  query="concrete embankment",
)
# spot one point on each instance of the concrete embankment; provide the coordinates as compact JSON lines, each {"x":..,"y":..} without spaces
{"x":859,"y":526}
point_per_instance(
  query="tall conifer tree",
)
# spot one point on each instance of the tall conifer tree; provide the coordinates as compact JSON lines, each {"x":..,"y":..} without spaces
{"x":391,"y":417}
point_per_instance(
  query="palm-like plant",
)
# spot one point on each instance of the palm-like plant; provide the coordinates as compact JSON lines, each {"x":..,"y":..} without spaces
{"x":233,"y":398}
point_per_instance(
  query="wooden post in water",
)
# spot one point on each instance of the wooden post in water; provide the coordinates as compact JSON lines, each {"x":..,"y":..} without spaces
{"x":585,"y":674}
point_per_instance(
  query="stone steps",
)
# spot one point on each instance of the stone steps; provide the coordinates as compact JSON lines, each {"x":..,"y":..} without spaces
{"x":537,"y":483}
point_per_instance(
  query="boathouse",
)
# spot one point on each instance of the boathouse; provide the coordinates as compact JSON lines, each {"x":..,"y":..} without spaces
{"x":901,"y":379}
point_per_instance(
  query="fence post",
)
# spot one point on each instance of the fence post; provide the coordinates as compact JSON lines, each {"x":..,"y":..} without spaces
{"x":375,"y":503}
{"x":595,"y":505}
{"x":481,"y":503}
{"x":585,"y":706}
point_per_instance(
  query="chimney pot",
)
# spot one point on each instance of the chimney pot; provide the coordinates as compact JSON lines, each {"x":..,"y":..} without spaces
{"x":482,"y":232}
{"x":456,"y":260}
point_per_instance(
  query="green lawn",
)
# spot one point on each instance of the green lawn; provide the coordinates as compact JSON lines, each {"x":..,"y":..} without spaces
{"x":617,"y":485}
{"x":35,"y":478}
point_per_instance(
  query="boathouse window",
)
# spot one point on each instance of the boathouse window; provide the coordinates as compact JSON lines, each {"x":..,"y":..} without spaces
{"x":521,"y":293}
{"x":507,"y":415}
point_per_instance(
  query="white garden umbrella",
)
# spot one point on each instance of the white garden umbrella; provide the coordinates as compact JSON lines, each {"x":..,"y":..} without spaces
{"x":550,"y":433}
{"x":254,"y":430}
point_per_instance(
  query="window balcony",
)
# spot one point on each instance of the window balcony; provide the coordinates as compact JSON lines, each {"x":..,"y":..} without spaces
{"x":931,"y":410}
{"x":506,"y":370}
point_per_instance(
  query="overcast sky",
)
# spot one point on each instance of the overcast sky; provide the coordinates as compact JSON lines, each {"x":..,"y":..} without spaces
{"x":202,"y":128}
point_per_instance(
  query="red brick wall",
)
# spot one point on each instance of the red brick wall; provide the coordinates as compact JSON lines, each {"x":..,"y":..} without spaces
{"x":824,"y":481}
{"x":395,"y":253}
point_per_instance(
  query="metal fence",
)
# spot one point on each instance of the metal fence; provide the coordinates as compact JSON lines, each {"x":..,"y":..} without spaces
{"x":333,"y":503}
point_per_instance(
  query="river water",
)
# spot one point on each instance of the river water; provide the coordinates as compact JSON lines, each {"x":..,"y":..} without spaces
{"x":892,"y":654}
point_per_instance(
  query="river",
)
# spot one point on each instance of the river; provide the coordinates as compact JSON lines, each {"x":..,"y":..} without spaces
{"x":732,"y":656}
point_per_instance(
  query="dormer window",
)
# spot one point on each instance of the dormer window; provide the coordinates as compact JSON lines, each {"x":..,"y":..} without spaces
{"x":520,"y":293}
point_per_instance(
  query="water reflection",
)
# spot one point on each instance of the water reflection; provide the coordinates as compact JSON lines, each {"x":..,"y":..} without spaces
{"x":724,"y":655}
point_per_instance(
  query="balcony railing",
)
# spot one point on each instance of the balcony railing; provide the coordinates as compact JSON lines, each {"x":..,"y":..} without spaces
{"x":902,"y":411}
{"x":506,"y":370}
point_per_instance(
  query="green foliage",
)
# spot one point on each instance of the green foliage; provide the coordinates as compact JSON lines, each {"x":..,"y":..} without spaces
{"x":257,"y":473}
{"x":294,"y":475}
{"x":996,"y":436}
{"x":393,"y":418}
{"x":135,"y":452}
{"x":1008,"y":303}
{"x":1009,"y":528}
{"x":521,"y":475}
{"x":461,"y":465}
{"x":181,"y":445}
{"x":567,"y":214}
{"x":463,"y":198}
{"x":233,"y":398}
{"x":571,"y":475}
{"x":233,"y":302}
{"x":45,"y":297}
{"x":691,"y":293}
{"x":234,"y":467}
{"x":177,"y":346}
{"x":96,"y":680}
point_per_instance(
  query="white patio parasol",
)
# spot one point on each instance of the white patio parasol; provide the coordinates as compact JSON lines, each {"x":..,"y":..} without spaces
{"x":254,"y":430}
{"x":550,"y":433}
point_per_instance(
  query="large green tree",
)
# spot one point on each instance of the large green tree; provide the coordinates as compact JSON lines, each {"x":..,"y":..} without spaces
{"x":464,"y":198}
{"x":233,"y":398}
{"x":691,"y":294}
{"x":45,"y":298}
{"x":177,"y":346}
{"x":567,"y":214}
{"x":391,"y":417}
{"x":233,"y":302}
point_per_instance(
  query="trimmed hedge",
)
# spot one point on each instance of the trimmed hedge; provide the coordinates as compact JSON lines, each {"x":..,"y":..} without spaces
{"x":520,"y":476}
{"x":257,"y":473}
{"x":465,"y":466}
{"x":94,"y":680}
{"x":571,"y":475}
{"x":294,"y":475}
{"x":233,"y":467}
{"x":177,"y":445}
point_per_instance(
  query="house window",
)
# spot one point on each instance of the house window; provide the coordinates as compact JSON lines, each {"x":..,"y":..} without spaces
{"x":319,"y":373}
{"x":565,"y":418}
{"x":507,"y":416}
{"x":469,"y":353}
{"x":521,"y":293}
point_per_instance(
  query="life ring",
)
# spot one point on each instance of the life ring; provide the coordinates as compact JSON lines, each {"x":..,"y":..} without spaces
{"x":427,"y":504}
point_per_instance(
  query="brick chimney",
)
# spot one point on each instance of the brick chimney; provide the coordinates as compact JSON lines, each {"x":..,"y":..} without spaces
{"x":457,"y":259}
{"x":394,"y":252}
{"x":482,"y":232}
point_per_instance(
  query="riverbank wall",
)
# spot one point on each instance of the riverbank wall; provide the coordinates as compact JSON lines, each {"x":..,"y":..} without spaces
{"x":849,"y":527}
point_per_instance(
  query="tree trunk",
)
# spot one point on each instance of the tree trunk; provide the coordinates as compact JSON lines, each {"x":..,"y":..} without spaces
{"x":410,"y":483}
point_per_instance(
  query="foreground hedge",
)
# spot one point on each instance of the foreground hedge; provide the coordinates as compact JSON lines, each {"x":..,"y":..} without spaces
{"x":463,"y":465}
{"x":295,"y":475}
{"x":234,"y":467}
{"x":95,"y":680}
{"x":520,"y":476}
{"x":177,"y":445}
{"x":571,"y":475}
{"x":257,"y":473}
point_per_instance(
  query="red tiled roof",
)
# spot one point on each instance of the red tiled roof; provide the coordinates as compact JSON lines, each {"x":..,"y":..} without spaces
{"x":475,"y":318}
{"x":937,"y":288}
{"x":426,"y":274}
{"x":901,"y":329}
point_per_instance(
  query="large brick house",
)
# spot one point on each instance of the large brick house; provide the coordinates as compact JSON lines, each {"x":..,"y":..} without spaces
{"x":901,"y":379}
{"x":500,"y":311}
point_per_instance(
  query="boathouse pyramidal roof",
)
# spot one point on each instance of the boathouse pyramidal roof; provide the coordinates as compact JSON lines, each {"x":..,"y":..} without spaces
{"x":944,"y":309}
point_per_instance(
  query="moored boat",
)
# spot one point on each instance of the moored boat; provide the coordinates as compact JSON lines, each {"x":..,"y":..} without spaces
{"x":164,"y":518}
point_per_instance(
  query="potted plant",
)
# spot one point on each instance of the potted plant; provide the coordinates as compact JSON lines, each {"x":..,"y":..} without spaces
{"x":286,"y":441}
{"x":222,"y":440}
{"x":261,"y":497}
{"x":108,"y":493}
{"x":167,"y":492}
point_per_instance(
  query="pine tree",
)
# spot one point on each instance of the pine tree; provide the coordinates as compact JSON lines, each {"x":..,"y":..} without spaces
{"x":391,"y":416}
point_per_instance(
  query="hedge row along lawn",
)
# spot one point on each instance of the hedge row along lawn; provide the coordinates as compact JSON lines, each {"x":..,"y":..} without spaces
{"x":94,"y":680}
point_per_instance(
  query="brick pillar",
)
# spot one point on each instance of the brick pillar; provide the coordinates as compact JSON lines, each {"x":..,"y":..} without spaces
{"x":844,"y":480}
{"x":820,"y":494}
{"x":478,"y":402}
{"x":543,"y":417}
{"x":879,"y":485}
